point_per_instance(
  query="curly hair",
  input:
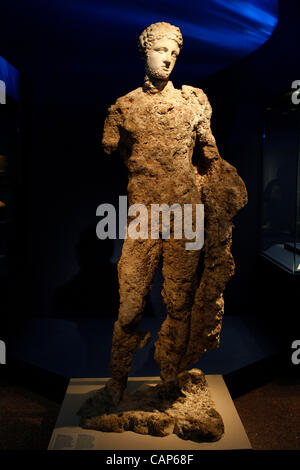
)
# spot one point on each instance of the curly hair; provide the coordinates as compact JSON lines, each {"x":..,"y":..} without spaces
{"x":158,"y":31}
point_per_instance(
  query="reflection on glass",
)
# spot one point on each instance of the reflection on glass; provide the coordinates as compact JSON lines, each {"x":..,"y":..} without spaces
{"x":280,"y":220}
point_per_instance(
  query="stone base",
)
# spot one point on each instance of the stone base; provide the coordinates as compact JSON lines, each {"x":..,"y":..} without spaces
{"x":184,"y":408}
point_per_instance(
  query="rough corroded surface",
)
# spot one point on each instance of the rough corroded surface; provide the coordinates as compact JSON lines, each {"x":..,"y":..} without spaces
{"x":157,"y":135}
{"x":184,"y":408}
{"x":165,"y":138}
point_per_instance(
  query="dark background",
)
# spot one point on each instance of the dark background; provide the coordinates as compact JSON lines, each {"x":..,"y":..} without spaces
{"x":60,"y":268}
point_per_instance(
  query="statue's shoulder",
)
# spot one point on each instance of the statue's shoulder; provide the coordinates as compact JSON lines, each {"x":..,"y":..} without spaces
{"x":190,"y":92}
{"x":125,"y":101}
{"x":118,"y":111}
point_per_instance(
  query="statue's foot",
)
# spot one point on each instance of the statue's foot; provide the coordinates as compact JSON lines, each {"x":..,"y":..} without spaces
{"x":115,"y":389}
{"x":169,"y":390}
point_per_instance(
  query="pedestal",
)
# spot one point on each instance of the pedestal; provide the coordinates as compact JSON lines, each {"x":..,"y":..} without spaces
{"x":68,"y":435}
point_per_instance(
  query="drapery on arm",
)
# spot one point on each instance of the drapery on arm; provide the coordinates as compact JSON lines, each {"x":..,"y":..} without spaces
{"x":111,"y":133}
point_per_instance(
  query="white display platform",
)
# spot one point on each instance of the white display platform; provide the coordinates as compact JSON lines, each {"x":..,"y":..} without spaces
{"x":67,"y":434}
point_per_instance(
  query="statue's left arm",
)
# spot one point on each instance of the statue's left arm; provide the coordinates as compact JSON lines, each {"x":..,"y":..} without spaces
{"x":205,"y":137}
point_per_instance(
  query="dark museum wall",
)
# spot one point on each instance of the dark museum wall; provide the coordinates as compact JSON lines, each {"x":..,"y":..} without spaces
{"x":63,"y":270}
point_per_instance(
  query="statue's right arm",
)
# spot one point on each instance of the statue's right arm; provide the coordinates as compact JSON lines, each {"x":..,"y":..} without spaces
{"x":111,"y":133}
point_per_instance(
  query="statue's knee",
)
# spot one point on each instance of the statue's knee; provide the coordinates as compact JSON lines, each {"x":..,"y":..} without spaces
{"x":178,"y":305}
{"x":129,"y":317}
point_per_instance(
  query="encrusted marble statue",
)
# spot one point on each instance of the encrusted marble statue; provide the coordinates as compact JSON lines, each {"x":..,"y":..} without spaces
{"x":164,"y":136}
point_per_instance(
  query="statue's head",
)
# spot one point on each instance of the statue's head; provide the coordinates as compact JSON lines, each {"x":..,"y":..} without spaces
{"x":160,"y":45}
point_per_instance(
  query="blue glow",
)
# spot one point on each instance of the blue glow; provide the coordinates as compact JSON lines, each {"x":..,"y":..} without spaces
{"x":250,"y":10}
{"x":225,"y":23}
{"x":244,"y":40}
{"x":222,"y":31}
{"x":10,"y":76}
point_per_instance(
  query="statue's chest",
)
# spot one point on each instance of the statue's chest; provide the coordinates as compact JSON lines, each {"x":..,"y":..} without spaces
{"x":162,"y":117}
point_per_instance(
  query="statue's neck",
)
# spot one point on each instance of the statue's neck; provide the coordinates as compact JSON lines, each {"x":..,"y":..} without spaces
{"x":151,"y":85}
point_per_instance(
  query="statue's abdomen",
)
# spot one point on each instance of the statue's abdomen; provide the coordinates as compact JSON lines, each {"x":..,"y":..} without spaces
{"x":160,"y":162}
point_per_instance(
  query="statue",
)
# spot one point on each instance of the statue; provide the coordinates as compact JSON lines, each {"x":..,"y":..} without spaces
{"x":164,"y":137}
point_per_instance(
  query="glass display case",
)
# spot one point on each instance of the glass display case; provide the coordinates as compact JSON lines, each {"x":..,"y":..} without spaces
{"x":280,"y":217}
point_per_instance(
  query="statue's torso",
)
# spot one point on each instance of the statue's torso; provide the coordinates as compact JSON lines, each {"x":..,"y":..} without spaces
{"x":158,"y":138}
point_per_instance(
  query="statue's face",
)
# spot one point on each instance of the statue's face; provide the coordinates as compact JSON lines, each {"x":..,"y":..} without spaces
{"x":161,"y":58}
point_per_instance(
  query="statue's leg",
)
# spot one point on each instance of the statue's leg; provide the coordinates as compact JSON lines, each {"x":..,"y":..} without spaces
{"x":180,"y":283}
{"x":136,"y":270}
